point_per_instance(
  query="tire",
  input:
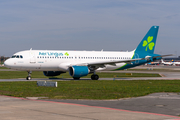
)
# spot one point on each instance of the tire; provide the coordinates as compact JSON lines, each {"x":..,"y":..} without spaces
{"x":94,"y":77}
{"x":28,"y":78}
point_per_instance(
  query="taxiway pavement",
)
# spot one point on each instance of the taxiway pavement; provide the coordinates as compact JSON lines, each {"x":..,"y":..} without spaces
{"x":24,"y":109}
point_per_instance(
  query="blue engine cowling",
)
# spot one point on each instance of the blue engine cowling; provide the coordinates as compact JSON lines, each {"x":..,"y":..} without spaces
{"x":52,"y":73}
{"x":78,"y":71}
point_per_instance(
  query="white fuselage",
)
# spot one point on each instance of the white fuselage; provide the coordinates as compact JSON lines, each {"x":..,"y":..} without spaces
{"x":166,"y":63}
{"x":176,"y":63}
{"x":51,"y":60}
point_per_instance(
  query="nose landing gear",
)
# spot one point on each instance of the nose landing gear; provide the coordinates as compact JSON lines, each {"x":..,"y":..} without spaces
{"x":29,"y":75}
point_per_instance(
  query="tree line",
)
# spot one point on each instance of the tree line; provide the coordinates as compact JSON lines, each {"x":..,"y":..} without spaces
{"x":3,"y":58}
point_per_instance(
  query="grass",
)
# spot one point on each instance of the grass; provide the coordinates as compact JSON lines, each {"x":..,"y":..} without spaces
{"x":3,"y":68}
{"x":19,"y":74}
{"x":90,"y":89}
{"x":37,"y":74}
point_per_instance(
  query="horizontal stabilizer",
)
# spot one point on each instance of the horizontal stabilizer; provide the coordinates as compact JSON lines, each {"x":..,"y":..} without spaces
{"x":164,"y":55}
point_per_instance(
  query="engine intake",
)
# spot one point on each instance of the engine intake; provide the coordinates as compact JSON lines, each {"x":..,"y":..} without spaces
{"x":78,"y":71}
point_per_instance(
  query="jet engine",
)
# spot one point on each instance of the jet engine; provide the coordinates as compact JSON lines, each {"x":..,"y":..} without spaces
{"x":78,"y":71}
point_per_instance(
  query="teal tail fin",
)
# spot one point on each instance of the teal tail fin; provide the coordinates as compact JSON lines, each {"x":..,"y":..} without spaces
{"x":149,"y":41}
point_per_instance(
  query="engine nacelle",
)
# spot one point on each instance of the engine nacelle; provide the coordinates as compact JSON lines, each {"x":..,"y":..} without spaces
{"x":52,"y":73}
{"x":78,"y":71}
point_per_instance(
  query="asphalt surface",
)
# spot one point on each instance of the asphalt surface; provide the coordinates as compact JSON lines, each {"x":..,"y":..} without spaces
{"x":162,"y":103}
{"x":12,"y":108}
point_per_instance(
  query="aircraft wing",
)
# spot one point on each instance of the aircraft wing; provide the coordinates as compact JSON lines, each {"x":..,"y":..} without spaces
{"x":122,"y":61}
{"x":113,"y":62}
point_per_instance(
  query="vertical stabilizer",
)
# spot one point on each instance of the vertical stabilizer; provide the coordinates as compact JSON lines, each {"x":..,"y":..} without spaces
{"x":149,"y":41}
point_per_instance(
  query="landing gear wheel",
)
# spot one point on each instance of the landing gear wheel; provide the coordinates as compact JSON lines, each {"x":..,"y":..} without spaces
{"x":29,"y":75}
{"x":76,"y":78}
{"x":94,"y":77}
{"x":28,"y":78}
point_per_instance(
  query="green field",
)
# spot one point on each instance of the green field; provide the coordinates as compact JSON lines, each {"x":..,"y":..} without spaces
{"x":88,"y":89}
{"x":37,"y":74}
{"x":3,"y":68}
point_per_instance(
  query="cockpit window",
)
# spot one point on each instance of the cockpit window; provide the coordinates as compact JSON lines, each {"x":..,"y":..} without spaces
{"x":17,"y":56}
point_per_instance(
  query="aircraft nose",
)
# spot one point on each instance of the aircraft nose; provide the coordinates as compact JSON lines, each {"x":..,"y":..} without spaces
{"x":8,"y":63}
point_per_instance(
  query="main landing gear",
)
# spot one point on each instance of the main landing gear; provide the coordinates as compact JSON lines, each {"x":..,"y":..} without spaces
{"x":94,"y":77}
{"x":76,"y":78}
{"x":29,"y":75}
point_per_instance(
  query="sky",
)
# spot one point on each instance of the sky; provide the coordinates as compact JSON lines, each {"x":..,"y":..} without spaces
{"x":111,"y":25}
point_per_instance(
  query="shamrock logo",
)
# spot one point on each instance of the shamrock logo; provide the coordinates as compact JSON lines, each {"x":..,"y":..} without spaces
{"x":66,"y":54}
{"x":148,"y":43}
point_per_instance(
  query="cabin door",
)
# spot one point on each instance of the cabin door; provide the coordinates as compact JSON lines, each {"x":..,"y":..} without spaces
{"x":32,"y":57}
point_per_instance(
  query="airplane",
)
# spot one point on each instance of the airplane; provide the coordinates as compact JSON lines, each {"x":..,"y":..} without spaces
{"x":152,"y":63}
{"x":82,"y":63}
{"x":166,"y":63}
{"x":175,"y":63}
